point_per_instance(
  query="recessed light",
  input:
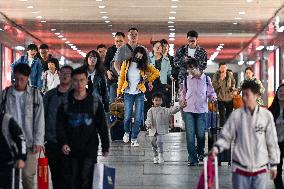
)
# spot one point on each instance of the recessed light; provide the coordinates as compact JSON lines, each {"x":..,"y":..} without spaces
{"x":259,"y":48}
{"x":238,"y":18}
{"x":172,"y":29}
{"x":24,"y":0}
{"x":1,"y":29}
{"x":172,"y":17}
{"x":171,"y":22}
{"x":103,"y":12}
{"x":40,"y":17}
{"x":230,"y":33}
{"x":249,"y":1}
{"x":104,"y":17}
{"x":67,"y":42}
{"x":30,"y":7}
{"x":107,"y":21}
{"x":221,"y":44}
{"x":99,"y":0}
{"x":174,"y":6}
{"x":70,"y":44}
{"x":171,"y":26}
{"x":63,"y":39}
{"x":171,"y":39}
{"x":53,"y":29}
{"x":172,"y":12}
{"x":174,"y":0}
{"x":235,"y":23}
{"x":102,"y":6}
{"x":43,"y":21}
{"x":242,"y":13}
{"x":60,"y":36}
{"x":35,"y":12}
{"x":57,"y":33}
{"x":110,"y":25}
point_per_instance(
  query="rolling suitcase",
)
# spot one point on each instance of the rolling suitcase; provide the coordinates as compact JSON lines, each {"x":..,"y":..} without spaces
{"x":16,"y":178}
{"x":209,"y":176}
{"x":116,"y":128}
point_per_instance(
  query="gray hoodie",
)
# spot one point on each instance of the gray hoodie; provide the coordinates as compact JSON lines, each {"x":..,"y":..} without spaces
{"x":254,"y":137}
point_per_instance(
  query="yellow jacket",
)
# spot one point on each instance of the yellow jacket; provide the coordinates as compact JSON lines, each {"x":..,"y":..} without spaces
{"x":151,"y":72}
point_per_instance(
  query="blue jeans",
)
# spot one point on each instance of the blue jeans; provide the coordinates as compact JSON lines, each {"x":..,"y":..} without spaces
{"x":249,"y":182}
{"x":195,"y":125}
{"x":129,"y":100}
{"x":112,"y":92}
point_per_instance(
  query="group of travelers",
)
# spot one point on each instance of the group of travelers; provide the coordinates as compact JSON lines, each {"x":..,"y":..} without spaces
{"x":64,"y":111}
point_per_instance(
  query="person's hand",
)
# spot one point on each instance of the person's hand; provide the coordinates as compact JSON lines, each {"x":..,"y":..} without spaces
{"x":214,"y":99}
{"x":214,"y":152}
{"x":273,"y":174}
{"x":119,"y":96}
{"x":20,"y":164}
{"x":109,"y":75}
{"x":223,"y":76}
{"x":182,"y":103}
{"x":105,"y":154}
{"x":173,"y":79}
{"x":145,"y":77}
{"x":150,"y":85}
{"x":66,"y":149}
{"x":37,"y":149}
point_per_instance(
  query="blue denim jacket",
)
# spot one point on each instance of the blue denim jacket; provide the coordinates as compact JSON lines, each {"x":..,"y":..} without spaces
{"x":36,"y":78}
{"x":166,"y":68}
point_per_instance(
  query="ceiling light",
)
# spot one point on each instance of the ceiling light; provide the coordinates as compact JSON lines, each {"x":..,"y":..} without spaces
{"x":107,"y":21}
{"x":79,"y":50}
{"x":53,"y":29}
{"x":99,"y":0}
{"x":281,"y":29}
{"x":1,"y":29}
{"x":174,"y":0}
{"x":24,"y":0}
{"x":73,"y":46}
{"x":63,"y":39}
{"x":235,"y":23}
{"x":259,"y":48}
{"x":102,"y":6}
{"x":171,"y":22}
{"x":172,"y":12}
{"x":70,"y":44}
{"x":103,"y":12}
{"x":20,"y":48}
{"x":171,"y":26}
{"x":230,"y":33}
{"x":57,"y":33}
{"x":250,"y":63}
{"x":104,"y":17}
{"x":60,"y":36}
{"x":238,"y":18}
{"x":172,"y":17}
{"x":220,"y":47}
{"x":172,"y":29}
{"x":249,"y":1}
{"x":30,"y":7}
{"x":270,"y":48}
{"x":171,"y":39}
{"x":174,"y":6}
{"x":221,"y":44}
{"x":242,"y":13}
{"x":110,"y":25}
{"x":35,"y":12}
{"x":241,"y":62}
{"x":67,"y":42}
{"x":43,"y":21}
{"x":40,"y":17}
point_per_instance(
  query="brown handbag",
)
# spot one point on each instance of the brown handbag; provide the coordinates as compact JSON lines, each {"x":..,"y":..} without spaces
{"x":237,"y":101}
{"x":117,"y":109}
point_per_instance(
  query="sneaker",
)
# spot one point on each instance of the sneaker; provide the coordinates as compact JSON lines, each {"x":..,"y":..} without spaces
{"x":191,"y":164}
{"x":200,"y":158}
{"x":155,"y":160}
{"x":134,"y":143}
{"x":126,"y":138}
{"x":161,"y":159}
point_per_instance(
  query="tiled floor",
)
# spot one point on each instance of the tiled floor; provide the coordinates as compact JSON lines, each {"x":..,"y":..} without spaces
{"x":135,"y":170}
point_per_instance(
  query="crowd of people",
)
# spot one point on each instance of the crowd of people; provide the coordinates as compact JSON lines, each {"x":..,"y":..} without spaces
{"x":64,"y":111}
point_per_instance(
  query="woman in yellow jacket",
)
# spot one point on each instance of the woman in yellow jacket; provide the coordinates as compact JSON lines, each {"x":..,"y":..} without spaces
{"x":133,"y":75}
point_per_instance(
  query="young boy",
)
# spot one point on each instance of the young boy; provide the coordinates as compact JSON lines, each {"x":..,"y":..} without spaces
{"x":158,"y":121}
{"x":12,"y":149}
{"x":253,"y":132}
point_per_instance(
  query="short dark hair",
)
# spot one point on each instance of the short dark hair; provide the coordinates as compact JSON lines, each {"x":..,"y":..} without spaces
{"x":157,"y":95}
{"x":192,"y":33}
{"x":119,"y":34}
{"x":22,"y":68}
{"x":133,"y":29}
{"x":66,"y":67}
{"x":79,"y":71}
{"x":252,"y":85}
{"x":144,"y":62}
{"x":191,"y":63}
{"x":249,"y":68}
{"x":32,"y":47}
{"x":222,"y":64}
{"x":101,"y":46}
{"x":164,"y":42}
{"x":43,"y":46}
{"x":54,"y":61}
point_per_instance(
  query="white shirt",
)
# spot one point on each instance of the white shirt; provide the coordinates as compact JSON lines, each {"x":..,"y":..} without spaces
{"x":30,"y":61}
{"x":134,"y":77}
{"x":18,"y":113}
{"x":92,"y":75}
{"x":51,"y":80}
{"x":191,"y":52}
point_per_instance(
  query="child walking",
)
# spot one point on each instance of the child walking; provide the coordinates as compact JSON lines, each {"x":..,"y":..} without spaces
{"x":158,"y":121}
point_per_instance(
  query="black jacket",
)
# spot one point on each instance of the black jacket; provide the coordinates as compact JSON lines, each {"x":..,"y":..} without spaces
{"x":109,"y":63}
{"x":12,"y":142}
{"x":78,"y":124}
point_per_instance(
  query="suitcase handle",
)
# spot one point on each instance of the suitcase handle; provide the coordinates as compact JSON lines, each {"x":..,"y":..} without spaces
{"x":216,"y":172}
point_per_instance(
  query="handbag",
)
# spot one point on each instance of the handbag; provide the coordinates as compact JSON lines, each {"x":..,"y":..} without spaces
{"x":117,"y":109}
{"x":42,"y":171}
{"x":237,"y":101}
{"x":104,"y":177}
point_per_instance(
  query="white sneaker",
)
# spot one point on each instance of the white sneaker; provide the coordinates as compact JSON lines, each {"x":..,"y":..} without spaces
{"x":161,"y":158}
{"x":156,"y":160}
{"x":134,"y":143}
{"x":126,"y":138}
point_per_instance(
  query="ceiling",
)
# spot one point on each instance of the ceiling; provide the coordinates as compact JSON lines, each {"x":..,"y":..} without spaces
{"x":81,"y":22}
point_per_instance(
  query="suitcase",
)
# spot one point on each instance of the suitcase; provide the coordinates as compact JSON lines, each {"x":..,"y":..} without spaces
{"x":209,"y":176}
{"x":116,"y":128}
{"x":16,"y":178}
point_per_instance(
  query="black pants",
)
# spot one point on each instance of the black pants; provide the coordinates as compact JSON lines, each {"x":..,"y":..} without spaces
{"x":54,"y":155}
{"x":225,"y":110}
{"x":78,"y":173}
{"x":278,"y":182}
{"x":6,"y":178}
